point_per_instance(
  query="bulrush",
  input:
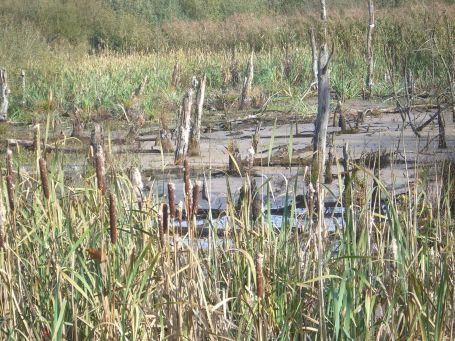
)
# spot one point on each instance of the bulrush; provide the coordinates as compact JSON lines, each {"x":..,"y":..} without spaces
{"x":36,"y":138}
{"x":171,"y":197}
{"x":9,"y":162}
{"x":165,"y":216}
{"x":180,"y":214}
{"x":259,"y":275}
{"x":10,"y":191}
{"x":195,"y":199}
{"x":100,"y":170}
{"x":43,"y":176}
{"x":113,"y":218}
{"x":138,"y":185}
{"x":186,"y":178}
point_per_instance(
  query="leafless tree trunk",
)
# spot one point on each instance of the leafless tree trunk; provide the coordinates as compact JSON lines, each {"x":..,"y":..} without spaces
{"x":246,"y":91}
{"x":197,"y":118}
{"x":4,"y":93}
{"x":324,"y":17}
{"x":183,"y":130}
{"x":369,"y":55}
{"x":314,"y":53}
{"x":322,"y":119}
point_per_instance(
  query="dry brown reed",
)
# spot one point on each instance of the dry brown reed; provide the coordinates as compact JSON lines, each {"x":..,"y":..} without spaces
{"x":10,"y":192}
{"x":113,"y":218}
{"x":195,"y":207}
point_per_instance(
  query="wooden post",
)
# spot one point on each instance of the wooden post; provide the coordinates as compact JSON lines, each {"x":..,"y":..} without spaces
{"x":369,"y":54}
{"x":183,"y":130}
{"x":322,"y":119}
{"x":314,"y":54}
{"x":4,"y":93}
{"x":195,"y":133}
{"x":245,"y":99}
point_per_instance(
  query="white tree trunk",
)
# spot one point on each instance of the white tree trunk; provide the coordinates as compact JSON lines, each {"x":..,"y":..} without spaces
{"x":183,"y":133}
{"x":314,"y":53}
{"x":369,"y":55}
{"x":4,"y":93}
{"x":322,"y":119}
{"x":196,"y":122}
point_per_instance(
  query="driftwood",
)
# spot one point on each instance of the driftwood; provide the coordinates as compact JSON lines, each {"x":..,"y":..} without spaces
{"x":4,"y":94}
{"x":195,"y":132}
{"x":369,"y":54}
{"x":245,"y":98}
{"x":183,"y":129}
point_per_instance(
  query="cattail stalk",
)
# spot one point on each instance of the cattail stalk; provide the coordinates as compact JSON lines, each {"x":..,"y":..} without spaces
{"x":113,"y":218}
{"x":43,"y":176}
{"x":100,"y":170}
{"x":2,"y":221}
{"x":171,"y":198}
{"x":195,"y":207}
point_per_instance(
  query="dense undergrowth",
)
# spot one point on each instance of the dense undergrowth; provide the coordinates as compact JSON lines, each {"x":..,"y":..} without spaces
{"x":84,"y":261}
{"x":61,"y":49}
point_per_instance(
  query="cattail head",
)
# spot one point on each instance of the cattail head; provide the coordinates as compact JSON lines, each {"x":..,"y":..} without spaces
{"x":171,"y":197}
{"x":165,"y":217}
{"x":43,"y":175}
{"x":10,"y":191}
{"x":36,"y":138}
{"x":100,"y":170}
{"x":113,"y":218}
{"x":195,"y":199}
{"x":259,"y":275}
{"x":9,"y":162}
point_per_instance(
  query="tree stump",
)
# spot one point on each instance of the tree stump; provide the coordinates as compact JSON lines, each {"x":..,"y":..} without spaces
{"x":195,"y":132}
{"x":183,"y":129}
{"x":4,"y":94}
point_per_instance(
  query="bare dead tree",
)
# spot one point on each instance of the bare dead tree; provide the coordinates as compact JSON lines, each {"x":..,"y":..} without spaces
{"x":183,"y":129}
{"x":369,"y":54}
{"x":195,"y":133}
{"x":322,"y":119}
{"x":4,"y":94}
{"x":245,"y":98}
{"x":323,"y":12}
{"x":314,"y":54}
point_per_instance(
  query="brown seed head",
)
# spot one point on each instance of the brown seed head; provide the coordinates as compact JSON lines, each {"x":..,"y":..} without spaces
{"x":259,"y":275}
{"x":10,"y":191}
{"x":165,"y":215}
{"x":171,"y":197}
{"x":43,"y":175}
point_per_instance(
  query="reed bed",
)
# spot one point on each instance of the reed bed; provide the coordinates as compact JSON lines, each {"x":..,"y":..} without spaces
{"x":78,"y":264}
